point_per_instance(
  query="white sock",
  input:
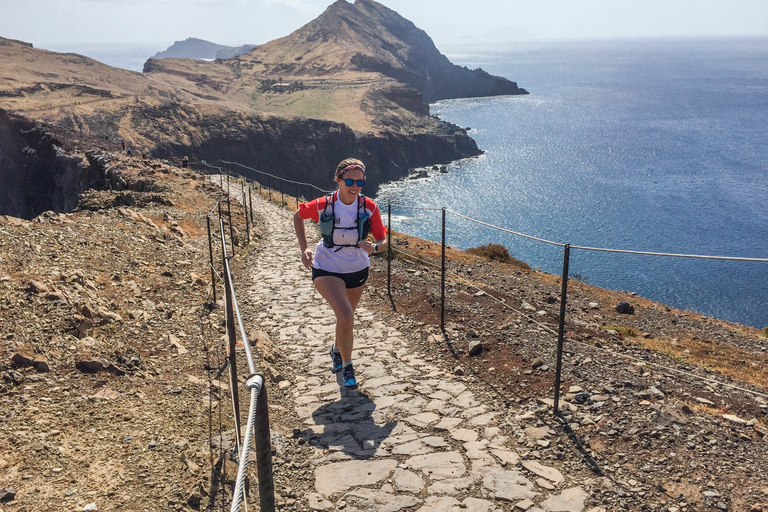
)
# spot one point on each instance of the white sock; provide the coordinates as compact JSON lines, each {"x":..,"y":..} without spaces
{"x":346,"y":363}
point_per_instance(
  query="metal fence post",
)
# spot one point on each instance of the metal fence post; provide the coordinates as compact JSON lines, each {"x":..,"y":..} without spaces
{"x":245,"y":214}
{"x":229,"y":214}
{"x":264,"y":454}
{"x":442,"y":277}
{"x":561,"y":331}
{"x":231,"y":336}
{"x":297,"y":195}
{"x":210,"y":257}
{"x":389,"y":250}
{"x":250,"y":202}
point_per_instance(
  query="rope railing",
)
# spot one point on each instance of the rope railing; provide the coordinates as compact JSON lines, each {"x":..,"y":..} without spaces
{"x":672,"y":255}
{"x":249,"y":175}
{"x":564,"y":283}
{"x":484,"y":289}
{"x":258,"y":411}
{"x":476,"y":286}
{"x":416,"y":207}
{"x":530,"y":237}
{"x":603,"y":249}
{"x":285,"y":180}
{"x":257,"y":425}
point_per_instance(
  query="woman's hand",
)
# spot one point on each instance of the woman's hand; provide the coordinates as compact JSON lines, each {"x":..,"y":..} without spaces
{"x":306,"y":258}
{"x":366,"y":245}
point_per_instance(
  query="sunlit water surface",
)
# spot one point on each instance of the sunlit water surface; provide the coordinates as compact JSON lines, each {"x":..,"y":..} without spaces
{"x":654,"y":146}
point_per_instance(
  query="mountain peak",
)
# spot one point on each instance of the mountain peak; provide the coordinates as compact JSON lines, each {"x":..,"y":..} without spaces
{"x":370,"y":37}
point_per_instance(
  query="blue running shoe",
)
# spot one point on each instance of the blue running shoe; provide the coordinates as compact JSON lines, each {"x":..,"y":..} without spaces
{"x":336,"y":359}
{"x":348,"y":374}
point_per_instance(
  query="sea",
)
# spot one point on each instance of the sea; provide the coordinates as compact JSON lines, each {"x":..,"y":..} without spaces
{"x":130,"y":56}
{"x":652,"y":146}
{"x":639,"y":145}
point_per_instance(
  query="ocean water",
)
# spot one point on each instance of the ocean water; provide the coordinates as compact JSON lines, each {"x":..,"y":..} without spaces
{"x":638,"y":145}
{"x":126,"y":56}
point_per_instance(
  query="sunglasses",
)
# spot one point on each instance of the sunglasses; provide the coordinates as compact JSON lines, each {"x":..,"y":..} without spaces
{"x":349,"y":182}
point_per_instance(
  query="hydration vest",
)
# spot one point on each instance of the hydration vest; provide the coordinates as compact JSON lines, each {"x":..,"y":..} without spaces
{"x":328,"y":222}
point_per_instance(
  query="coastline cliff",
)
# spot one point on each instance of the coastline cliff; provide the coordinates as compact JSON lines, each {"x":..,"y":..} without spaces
{"x":355,"y":81}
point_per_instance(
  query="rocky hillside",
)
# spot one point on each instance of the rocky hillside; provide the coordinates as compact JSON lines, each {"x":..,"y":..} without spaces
{"x":367,"y":36}
{"x":355,"y":81}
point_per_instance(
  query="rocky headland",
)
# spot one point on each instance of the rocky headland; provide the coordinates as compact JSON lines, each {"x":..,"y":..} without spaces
{"x":355,"y":81}
{"x":194,"y":48}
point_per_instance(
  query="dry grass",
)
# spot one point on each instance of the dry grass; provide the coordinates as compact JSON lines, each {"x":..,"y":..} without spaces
{"x":431,"y":251}
{"x":742,"y":365}
{"x":624,"y":330}
{"x":497,"y":252}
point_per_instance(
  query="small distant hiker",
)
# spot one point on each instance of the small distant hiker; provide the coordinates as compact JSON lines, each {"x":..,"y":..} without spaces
{"x":341,"y":258}
{"x":184,"y":162}
{"x":122,"y":143}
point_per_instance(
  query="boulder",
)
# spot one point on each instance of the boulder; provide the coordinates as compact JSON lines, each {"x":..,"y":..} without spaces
{"x":38,"y":287}
{"x":84,"y":325}
{"x":7,"y":495}
{"x":625,"y":308}
{"x":88,"y":363}
{"x":25,"y":356}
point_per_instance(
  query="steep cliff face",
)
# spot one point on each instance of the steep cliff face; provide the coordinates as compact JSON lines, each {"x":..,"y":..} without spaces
{"x":192,"y":48}
{"x":353,"y":82}
{"x":37,"y":175}
{"x":307,"y":150}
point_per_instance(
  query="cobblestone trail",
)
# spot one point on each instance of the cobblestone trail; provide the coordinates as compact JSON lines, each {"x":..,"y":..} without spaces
{"x":414,"y":437}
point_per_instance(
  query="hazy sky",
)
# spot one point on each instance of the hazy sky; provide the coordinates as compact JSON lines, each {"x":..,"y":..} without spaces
{"x":446,"y":21}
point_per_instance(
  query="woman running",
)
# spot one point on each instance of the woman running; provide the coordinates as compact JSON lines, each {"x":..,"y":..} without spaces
{"x":340,"y":262}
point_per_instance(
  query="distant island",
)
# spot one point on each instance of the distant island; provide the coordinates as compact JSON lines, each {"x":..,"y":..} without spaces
{"x":193,"y":48}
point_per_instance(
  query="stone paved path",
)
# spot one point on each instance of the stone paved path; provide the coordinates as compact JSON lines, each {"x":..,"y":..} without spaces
{"x":413,"y":437}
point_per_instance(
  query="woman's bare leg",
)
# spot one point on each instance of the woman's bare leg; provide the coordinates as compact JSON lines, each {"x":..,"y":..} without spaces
{"x":354,"y":294}
{"x":336,"y":294}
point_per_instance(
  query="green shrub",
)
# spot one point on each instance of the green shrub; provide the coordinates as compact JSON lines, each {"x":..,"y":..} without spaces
{"x":764,"y":331}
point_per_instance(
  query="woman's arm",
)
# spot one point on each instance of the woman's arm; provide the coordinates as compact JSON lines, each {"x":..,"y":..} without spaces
{"x":378,"y":231}
{"x":373,"y":247}
{"x":301,"y":234}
